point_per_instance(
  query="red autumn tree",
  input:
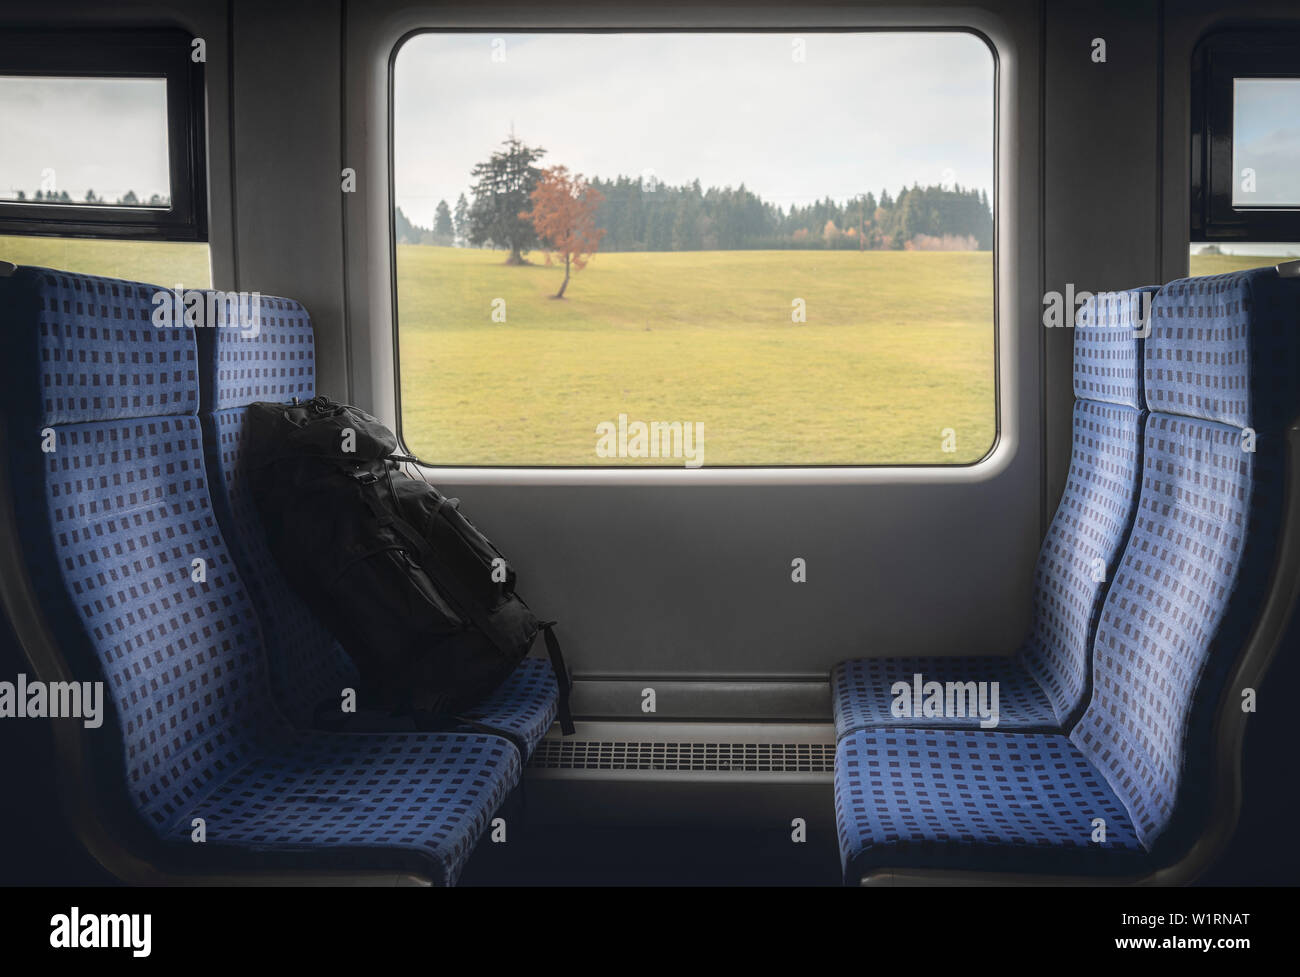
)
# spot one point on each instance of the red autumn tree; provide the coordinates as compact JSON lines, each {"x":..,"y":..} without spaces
{"x":564,"y":216}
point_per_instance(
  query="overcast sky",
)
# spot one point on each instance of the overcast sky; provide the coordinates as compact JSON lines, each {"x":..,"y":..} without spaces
{"x":1266,"y":138}
{"x":862,"y":112}
{"x":106,"y":135}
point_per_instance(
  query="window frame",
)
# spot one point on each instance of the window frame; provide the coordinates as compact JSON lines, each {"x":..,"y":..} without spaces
{"x":164,"y":53}
{"x":1000,"y":449}
{"x":1218,"y":60}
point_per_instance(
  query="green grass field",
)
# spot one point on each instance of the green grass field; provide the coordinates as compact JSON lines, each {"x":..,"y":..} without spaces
{"x":897,"y":347}
{"x":158,"y":263}
{"x":1218,"y":264}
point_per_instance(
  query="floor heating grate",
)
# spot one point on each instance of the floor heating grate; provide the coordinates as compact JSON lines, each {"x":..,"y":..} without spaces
{"x":559,"y":754}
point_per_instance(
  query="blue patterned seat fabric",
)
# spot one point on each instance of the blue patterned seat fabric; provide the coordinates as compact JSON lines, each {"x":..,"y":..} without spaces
{"x":1222,"y":377}
{"x":415,"y":797}
{"x":1222,"y":363}
{"x":273,"y":359}
{"x":133,"y":572}
{"x":1044,"y":685}
{"x":955,"y":798}
{"x":307,"y":665}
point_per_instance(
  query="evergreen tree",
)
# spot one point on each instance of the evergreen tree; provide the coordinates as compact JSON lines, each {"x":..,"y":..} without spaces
{"x":503,"y":185}
{"x":461,"y":219}
{"x":407,"y":232}
{"x":443,"y":231}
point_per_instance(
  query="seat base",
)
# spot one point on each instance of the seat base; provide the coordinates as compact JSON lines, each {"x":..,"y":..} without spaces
{"x":977,"y":801}
{"x":415,"y":802}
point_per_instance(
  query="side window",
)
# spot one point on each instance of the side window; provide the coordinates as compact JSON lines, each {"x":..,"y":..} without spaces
{"x":720,"y":250}
{"x":101,"y":167}
{"x":1245,"y":150}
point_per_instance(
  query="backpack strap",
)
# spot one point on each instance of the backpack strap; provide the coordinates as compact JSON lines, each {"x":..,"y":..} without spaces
{"x":561,"y":676}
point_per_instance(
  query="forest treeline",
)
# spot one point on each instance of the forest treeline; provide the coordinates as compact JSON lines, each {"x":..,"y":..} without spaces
{"x":641,"y":215}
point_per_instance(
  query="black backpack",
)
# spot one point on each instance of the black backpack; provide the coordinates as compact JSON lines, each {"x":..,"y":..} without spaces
{"x":419,"y":598}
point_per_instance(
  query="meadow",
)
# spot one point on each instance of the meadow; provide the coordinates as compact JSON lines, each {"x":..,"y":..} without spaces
{"x":896,"y":348}
{"x":158,"y":263}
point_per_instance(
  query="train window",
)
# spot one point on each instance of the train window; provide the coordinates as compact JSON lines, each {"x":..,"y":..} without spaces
{"x":711,"y":249}
{"x":103,"y":136}
{"x":1245,"y":143}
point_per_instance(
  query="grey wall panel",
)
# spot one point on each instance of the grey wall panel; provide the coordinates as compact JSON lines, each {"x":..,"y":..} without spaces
{"x":1101,"y":164}
{"x":287,"y":152}
{"x":696,"y":581}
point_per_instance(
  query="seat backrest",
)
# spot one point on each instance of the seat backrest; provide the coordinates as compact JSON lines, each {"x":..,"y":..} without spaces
{"x":264,"y":350}
{"x":118,"y":532}
{"x":1222,"y":366}
{"x":1087,"y":533}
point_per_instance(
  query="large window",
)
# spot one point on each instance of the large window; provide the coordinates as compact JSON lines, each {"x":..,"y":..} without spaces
{"x":686,"y":249}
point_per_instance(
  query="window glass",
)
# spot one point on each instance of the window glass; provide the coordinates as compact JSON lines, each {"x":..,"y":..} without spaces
{"x":1266,"y":142}
{"x":97,"y":141}
{"x":684,"y":249}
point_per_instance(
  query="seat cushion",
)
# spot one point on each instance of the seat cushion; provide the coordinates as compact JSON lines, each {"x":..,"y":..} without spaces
{"x":977,"y":801}
{"x":417,"y":802}
{"x":1163,"y":611}
{"x":862,"y":693}
{"x":1222,"y":379}
{"x":523,"y":706}
{"x":308,"y":667}
{"x":159,"y":600}
{"x":1107,"y":347}
{"x":1081,"y":551}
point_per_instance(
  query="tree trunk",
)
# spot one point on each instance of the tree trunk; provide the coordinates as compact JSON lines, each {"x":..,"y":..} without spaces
{"x":516,"y":256}
{"x":560,"y":293}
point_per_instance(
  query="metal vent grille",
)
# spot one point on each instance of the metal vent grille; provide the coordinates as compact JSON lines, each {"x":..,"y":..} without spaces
{"x":556,"y":754}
